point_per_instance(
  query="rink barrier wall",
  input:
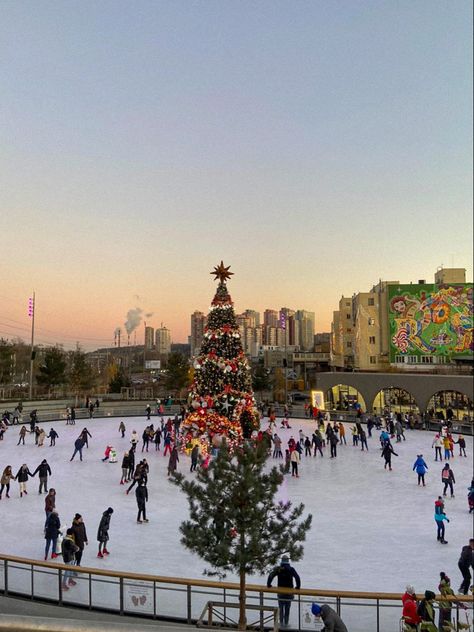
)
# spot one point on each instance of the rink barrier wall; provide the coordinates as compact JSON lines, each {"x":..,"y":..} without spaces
{"x":120,"y":593}
{"x":105,"y":412}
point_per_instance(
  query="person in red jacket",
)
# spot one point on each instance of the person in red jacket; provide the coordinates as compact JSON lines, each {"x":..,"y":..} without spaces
{"x":410,"y":616}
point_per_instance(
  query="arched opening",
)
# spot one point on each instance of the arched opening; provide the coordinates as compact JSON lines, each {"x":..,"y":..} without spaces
{"x":446,"y":405}
{"x":344,"y":397}
{"x":396,"y":400}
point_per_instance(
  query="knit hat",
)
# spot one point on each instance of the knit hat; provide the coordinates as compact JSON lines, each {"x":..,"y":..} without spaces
{"x":429,"y":595}
{"x":110,"y":510}
{"x":410,"y":589}
{"x":316,"y":609}
{"x":285,"y":559}
{"x":77,"y":516}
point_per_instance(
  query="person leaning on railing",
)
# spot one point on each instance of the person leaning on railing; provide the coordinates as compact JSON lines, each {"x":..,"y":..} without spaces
{"x":410,"y":616}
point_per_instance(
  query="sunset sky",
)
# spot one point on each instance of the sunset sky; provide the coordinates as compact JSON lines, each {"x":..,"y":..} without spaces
{"x":313,"y":146}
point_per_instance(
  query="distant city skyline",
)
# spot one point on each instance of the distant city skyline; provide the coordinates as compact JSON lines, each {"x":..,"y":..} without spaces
{"x":314,"y":147}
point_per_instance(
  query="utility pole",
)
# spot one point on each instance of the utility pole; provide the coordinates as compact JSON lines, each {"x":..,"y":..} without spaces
{"x":144,"y":349}
{"x":31,"y":314}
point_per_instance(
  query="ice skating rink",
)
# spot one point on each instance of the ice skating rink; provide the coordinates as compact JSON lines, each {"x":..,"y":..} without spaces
{"x":373,"y":530}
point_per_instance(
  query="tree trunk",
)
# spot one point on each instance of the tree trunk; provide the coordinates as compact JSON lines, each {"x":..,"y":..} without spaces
{"x":242,"y":596}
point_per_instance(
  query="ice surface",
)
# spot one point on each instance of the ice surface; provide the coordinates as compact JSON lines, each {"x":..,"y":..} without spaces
{"x":373,"y":530}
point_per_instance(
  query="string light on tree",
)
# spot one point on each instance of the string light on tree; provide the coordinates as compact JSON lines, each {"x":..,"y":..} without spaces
{"x":221,"y":397}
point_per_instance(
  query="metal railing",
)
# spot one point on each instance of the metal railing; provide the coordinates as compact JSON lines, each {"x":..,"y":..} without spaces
{"x":184,"y":600}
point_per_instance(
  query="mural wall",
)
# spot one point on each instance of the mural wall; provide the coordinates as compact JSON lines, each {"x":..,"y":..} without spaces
{"x":431,"y":320}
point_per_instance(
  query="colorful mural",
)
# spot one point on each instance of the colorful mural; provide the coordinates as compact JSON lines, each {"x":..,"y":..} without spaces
{"x":431,"y":320}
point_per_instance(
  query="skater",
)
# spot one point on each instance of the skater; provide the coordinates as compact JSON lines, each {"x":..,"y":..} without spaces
{"x":7,"y":476}
{"x":146,"y":438}
{"x":447,"y":477}
{"x":387,"y":455}
{"x":53,"y":435}
{"x":131,"y":465}
{"x":134,"y":439}
{"x":22,"y":434}
{"x":22,"y":478}
{"x":167,"y":443}
{"x":301,"y":437}
{"x":447,"y":448}
{"x":465,"y":563}
{"x":445,"y":607}
{"x":51,"y":534}
{"x":399,"y":431}
{"x":80,"y":536}
{"x":148,"y":412}
{"x":41,"y":437}
{"x":286,"y":578}
{"x":107,"y":452}
{"x":332,"y":621}
{"x":73,"y":416}
{"x":440,"y":517}
{"x":157,"y":439}
{"x":173,"y":461}
{"x":427,"y":613}
{"x":122,"y":429}
{"x":68,"y":551}
{"x":437,"y":445}
{"x":333,"y":440}
{"x":370,"y":425}
{"x":287,"y":461}
{"x":84,"y":434}
{"x":49,"y":503}
{"x":307,"y":446}
{"x":421,"y":468}
{"x":470,"y":496}
{"x":342,"y":433}
{"x":295,"y":459}
{"x":141,"y":494}
{"x":78,"y":445}
{"x":317,"y":441}
{"x":277,"y":453}
{"x":355,"y":436}
{"x":411,"y":618}
{"x":103,"y":532}
{"x":91,"y":410}
{"x":43,"y":470}
{"x":462,"y":445}
{"x":138,"y":475}
{"x":194,"y":457}
{"x":125,"y":468}
{"x":363,"y":439}
{"x":68,"y":415}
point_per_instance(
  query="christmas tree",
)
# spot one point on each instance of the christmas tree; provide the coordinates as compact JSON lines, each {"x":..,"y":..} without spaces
{"x":221,"y":396}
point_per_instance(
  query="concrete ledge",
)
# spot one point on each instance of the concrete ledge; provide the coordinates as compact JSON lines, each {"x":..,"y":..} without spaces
{"x":15,"y":623}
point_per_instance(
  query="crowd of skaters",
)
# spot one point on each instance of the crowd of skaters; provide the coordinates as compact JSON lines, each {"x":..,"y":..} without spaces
{"x":166,"y":439}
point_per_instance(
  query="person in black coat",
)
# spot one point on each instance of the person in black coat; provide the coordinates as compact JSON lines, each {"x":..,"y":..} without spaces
{"x":78,"y":445}
{"x":141,"y":494}
{"x":43,"y":470}
{"x":53,"y":435}
{"x":51,"y":534}
{"x":103,"y":532}
{"x":387,"y":455}
{"x":22,"y":478}
{"x":80,"y":536}
{"x":287,"y":577}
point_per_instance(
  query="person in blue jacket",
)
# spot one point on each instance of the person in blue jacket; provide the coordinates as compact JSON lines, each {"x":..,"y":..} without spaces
{"x":421,"y":468}
{"x":439,"y":517}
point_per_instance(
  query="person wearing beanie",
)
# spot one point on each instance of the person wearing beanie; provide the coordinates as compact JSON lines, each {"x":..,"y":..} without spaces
{"x":68,"y":550}
{"x":410,"y":616}
{"x":447,"y":478}
{"x":80,"y":536}
{"x":43,"y":470}
{"x":103,"y":532}
{"x":427,"y":613}
{"x":332,"y":621}
{"x":285,"y":575}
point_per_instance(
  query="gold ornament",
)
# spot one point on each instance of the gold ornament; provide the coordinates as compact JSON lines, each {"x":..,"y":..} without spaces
{"x":221,"y":272}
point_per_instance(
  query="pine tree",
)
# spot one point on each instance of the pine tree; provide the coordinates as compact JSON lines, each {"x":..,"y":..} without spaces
{"x":236,"y":524}
{"x":221,"y":393}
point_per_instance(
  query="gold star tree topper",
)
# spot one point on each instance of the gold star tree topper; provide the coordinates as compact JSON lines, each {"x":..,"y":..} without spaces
{"x":221,"y":272}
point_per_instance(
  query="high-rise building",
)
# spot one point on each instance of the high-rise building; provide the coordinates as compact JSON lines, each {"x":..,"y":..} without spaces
{"x":163,"y":340}
{"x":198,"y":323}
{"x":149,"y":337}
{"x":254,"y":317}
{"x":306,"y":329}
